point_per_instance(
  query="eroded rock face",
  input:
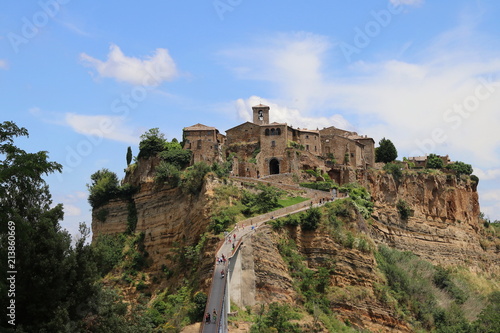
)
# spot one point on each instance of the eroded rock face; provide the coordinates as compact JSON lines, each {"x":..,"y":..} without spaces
{"x":444,"y":226}
{"x":167,"y":216}
{"x":353,"y":268}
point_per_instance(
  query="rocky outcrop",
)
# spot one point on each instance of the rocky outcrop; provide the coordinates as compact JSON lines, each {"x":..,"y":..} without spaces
{"x":353,"y":269}
{"x":443,"y":226}
{"x":168,"y":217}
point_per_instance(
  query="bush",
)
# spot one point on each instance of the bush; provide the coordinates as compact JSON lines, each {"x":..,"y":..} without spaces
{"x":152,"y":142}
{"x":194,"y":177}
{"x":167,"y":173}
{"x":177,"y":157}
{"x":404,"y":209}
{"x":322,"y":186}
{"x":109,"y":252}
{"x":434,"y":162}
{"x":103,"y":187}
{"x":310,"y":220}
{"x":461,"y":168}
{"x":394,"y":169}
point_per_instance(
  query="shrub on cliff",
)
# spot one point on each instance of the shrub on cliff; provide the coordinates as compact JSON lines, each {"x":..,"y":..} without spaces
{"x":461,"y":168}
{"x":152,"y":142}
{"x":194,"y":177}
{"x":434,"y":162}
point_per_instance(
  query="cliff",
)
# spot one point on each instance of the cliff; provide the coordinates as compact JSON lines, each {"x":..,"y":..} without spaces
{"x":443,"y":226}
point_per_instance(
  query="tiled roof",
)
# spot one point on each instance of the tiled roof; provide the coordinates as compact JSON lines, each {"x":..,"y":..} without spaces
{"x":199,"y":127}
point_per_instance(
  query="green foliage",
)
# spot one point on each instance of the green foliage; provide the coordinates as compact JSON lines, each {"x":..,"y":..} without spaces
{"x":129,"y":155}
{"x":408,"y":278}
{"x":131,"y":217}
{"x":442,"y":279}
{"x":434,"y":162}
{"x":105,"y":186}
{"x":310,"y":219}
{"x":295,"y":145}
{"x":194,"y":177}
{"x":58,"y":277}
{"x":102,"y":214}
{"x":178,"y":157}
{"x":167,"y":173}
{"x":152,"y":142}
{"x":276,"y":319}
{"x":321,"y":185}
{"x":171,"y":312}
{"x":404,"y":209}
{"x":386,"y":151}
{"x":395,"y":169}
{"x":489,"y":318}
{"x":220,"y":221}
{"x":475,"y":179}
{"x":264,"y":201}
{"x":223,"y":170}
{"x":461,"y":168}
{"x":109,"y":252}
{"x":360,"y":197}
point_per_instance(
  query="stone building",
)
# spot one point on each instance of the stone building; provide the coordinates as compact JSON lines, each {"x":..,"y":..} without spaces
{"x":205,"y":142}
{"x":261,"y":148}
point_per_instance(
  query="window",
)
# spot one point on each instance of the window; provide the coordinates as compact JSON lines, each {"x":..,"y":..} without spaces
{"x":198,"y":146}
{"x":278,"y":131}
{"x":307,"y":147}
{"x":315,"y":148}
{"x":266,"y":132}
{"x":273,"y":131}
{"x":273,"y":143}
{"x":307,"y":136}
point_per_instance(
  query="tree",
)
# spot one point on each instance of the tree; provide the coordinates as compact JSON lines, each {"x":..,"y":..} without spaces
{"x":386,"y":151}
{"x":152,"y":142}
{"x":434,"y":162}
{"x":56,"y":280}
{"x":129,"y":155}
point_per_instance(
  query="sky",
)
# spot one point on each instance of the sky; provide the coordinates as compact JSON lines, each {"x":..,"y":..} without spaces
{"x":88,"y":78}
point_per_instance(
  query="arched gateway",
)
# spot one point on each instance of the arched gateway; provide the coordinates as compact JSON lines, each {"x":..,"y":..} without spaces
{"x":274,"y":166}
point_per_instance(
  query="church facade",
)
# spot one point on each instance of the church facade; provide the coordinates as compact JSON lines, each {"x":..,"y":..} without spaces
{"x":261,"y":148}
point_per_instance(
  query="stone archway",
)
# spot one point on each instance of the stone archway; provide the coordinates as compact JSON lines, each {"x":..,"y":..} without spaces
{"x":274,"y":166}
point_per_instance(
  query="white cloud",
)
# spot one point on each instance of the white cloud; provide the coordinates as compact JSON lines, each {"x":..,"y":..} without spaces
{"x":151,"y":71}
{"x":491,"y":195}
{"x":487,"y":174}
{"x":407,"y":2}
{"x":444,"y":102}
{"x":100,"y":126}
{"x":293,"y":117}
{"x":3,"y":64}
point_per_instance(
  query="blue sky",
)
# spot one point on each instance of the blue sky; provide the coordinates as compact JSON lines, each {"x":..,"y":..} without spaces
{"x":88,"y":78}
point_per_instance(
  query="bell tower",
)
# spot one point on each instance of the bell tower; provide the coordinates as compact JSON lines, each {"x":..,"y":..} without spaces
{"x":260,"y":114}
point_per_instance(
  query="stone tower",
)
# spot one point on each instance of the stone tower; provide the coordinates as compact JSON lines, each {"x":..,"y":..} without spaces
{"x":260,"y":114}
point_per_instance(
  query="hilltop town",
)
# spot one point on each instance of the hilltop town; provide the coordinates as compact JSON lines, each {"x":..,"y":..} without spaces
{"x":261,"y":148}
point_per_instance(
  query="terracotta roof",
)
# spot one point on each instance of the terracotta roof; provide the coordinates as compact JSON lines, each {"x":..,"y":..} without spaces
{"x":199,"y":127}
{"x":260,"y":106}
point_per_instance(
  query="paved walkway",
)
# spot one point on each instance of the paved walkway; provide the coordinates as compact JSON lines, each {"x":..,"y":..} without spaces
{"x":228,"y":248}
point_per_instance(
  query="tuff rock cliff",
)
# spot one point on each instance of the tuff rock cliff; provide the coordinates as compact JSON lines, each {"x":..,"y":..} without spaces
{"x":443,"y":228}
